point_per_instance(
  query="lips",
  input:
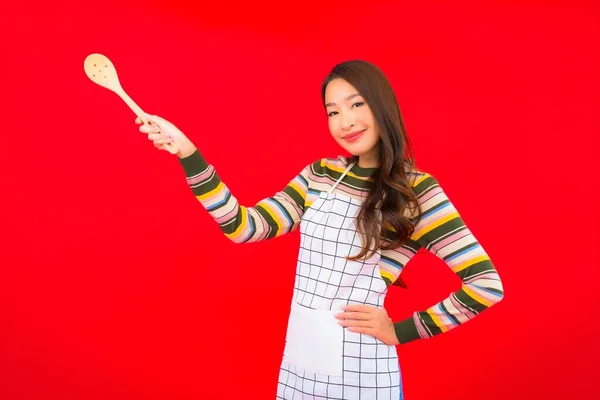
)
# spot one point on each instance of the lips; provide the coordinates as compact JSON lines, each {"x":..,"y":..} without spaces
{"x":354,"y":136}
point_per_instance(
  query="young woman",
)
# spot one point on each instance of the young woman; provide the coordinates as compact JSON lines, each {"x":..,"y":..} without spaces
{"x":361,"y":220}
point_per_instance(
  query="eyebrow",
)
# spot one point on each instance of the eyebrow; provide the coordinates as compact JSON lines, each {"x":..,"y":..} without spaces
{"x":346,"y":99}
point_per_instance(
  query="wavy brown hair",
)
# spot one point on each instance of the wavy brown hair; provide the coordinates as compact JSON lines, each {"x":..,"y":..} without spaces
{"x":391,"y":210}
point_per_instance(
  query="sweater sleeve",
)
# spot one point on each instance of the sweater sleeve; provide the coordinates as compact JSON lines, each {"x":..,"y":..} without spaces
{"x":271,"y":217}
{"x":443,"y":232}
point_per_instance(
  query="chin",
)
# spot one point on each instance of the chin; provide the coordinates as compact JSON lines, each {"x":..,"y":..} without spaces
{"x":357,"y":150}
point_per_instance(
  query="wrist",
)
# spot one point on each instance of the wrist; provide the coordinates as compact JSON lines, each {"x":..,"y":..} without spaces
{"x":193,"y":164}
{"x":406,"y":331}
{"x":184,"y":153}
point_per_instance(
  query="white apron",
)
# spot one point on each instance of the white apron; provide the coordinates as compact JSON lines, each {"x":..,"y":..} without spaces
{"x":322,"y":359}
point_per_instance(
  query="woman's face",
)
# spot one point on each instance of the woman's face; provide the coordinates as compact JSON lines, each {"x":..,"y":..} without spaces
{"x":351,"y":121}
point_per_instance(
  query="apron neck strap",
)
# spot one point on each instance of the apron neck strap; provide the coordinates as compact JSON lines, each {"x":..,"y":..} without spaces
{"x":341,"y":177}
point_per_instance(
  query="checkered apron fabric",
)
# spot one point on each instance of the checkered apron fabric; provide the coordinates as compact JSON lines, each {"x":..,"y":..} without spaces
{"x":323,"y":360}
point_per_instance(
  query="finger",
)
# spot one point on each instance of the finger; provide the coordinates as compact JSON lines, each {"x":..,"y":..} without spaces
{"x":354,"y":315}
{"x":367,"y":331}
{"x":356,"y":323}
{"x":156,"y":127}
{"x":145,"y":128}
{"x":158,"y":136}
{"x":156,"y":120}
{"x":161,"y":146}
{"x":145,"y":119}
{"x":359,"y":308}
{"x":163,"y":141}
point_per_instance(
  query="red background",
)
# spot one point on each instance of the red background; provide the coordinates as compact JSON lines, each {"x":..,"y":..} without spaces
{"x":116,"y":284}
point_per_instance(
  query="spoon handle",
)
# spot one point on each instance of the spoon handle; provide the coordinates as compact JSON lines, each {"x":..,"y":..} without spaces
{"x":171,"y":147}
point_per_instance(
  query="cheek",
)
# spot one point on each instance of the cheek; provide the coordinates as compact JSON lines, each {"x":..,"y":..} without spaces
{"x":368,"y":120}
{"x":334,"y":128}
{"x":366,"y":117}
{"x":373,"y":136}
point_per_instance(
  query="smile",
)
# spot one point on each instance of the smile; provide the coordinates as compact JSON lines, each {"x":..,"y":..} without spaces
{"x":352,"y":137}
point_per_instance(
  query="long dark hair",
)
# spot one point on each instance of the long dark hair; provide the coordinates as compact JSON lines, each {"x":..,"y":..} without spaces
{"x":391,"y":209}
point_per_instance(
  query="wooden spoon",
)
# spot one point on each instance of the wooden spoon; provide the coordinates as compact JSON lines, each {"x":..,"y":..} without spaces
{"x":102,"y":71}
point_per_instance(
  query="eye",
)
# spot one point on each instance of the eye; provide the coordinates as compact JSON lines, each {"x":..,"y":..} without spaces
{"x":331,"y":114}
{"x":360,"y":103}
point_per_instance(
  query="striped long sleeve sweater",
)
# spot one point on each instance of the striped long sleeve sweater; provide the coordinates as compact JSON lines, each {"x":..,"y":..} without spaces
{"x":440,"y":231}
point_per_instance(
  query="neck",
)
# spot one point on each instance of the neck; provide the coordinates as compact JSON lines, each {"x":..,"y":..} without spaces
{"x":368,"y":160}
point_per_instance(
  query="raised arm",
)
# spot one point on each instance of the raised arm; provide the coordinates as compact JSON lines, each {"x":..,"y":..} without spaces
{"x":443,"y":232}
{"x":271,"y":217}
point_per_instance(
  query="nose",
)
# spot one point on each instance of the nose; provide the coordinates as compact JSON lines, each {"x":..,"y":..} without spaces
{"x":348,"y":120}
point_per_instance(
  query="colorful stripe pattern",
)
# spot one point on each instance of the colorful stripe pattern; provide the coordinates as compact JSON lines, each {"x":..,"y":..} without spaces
{"x":440,"y":231}
{"x":443,"y":232}
{"x":269,"y":218}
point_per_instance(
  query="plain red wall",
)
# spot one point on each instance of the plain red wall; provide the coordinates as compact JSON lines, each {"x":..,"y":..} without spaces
{"x":116,"y":284}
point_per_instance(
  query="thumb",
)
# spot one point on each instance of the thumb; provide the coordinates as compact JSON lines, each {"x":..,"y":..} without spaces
{"x":156,"y":119}
{"x":162,"y":124}
{"x":143,"y":119}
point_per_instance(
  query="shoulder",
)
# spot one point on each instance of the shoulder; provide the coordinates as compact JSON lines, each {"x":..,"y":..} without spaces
{"x":422,"y":182}
{"x":329,"y":165}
